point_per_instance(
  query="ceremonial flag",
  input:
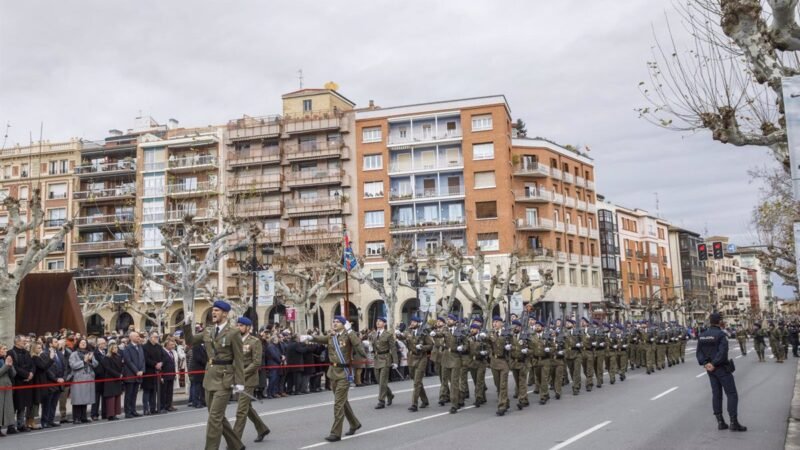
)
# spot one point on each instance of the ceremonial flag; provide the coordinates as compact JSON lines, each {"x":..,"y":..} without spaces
{"x":349,"y":259}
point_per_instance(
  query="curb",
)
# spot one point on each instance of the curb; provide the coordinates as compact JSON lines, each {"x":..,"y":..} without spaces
{"x":793,"y":428}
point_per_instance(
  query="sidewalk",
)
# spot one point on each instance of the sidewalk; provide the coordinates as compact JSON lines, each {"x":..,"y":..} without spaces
{"x":793,"y":429}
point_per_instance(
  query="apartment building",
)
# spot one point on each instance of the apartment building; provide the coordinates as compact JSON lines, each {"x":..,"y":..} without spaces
{"x":691,"y":274}
{"x":610,"y":256}
{"x":451,"y":172}
{"x":48,"y":167}
{"x":759,"y":280}
{"x":722,"y":275}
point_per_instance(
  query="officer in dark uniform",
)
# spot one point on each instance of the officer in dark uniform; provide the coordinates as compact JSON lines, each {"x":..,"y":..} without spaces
{"x":712,"y":353}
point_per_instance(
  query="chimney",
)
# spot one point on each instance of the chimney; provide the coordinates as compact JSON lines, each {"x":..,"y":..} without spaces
{"x":115,"y":132}
{"x":172,"y":124}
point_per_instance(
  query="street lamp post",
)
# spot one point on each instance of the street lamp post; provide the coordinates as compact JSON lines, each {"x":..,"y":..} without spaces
{"x":248,"y":259}
{"x":417,"y":282}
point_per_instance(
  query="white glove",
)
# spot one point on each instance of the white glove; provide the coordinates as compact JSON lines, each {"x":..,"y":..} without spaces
{"x":507,"y":347}
{"x":398,"y":332}
{"x":238,"y":388}
{"x":524,"y":351}
{"x":305,"y":338}
{"x":578,"y":345}
{"x":561,"y":352}
{"x":347,"y":325}
{"x":482,"y":335}
{"x":460,"y":348}
{"x":625,"y":346}
{"x":602,"y":344}
{"x":483,"y":352}
{"x":419,"y":346}
{"x":394,"y":366}
{"x":432,"y":334}
{"x":594,"y":343}
{"x":547,"y":349}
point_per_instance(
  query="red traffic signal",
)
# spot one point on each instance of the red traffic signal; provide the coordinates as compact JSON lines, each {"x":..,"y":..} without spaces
{"x":717,"y":249}
{"x":702,"y":252}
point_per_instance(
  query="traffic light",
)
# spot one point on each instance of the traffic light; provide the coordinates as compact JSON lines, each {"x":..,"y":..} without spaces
{"x":702,"y":252}
{"x":717,"y":248}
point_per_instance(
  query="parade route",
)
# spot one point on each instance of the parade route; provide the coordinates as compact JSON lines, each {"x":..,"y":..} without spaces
{"x":668,"y":409}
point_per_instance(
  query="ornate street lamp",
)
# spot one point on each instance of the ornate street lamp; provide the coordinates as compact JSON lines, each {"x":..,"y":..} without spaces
{"x":251,"y":260}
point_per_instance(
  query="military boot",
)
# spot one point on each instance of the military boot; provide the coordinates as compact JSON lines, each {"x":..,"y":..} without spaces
{"x":721,"y":425}
{"x":735,"y":425}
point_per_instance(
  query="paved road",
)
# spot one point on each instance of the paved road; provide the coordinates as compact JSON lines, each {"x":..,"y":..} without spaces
{"x":667,"y":410}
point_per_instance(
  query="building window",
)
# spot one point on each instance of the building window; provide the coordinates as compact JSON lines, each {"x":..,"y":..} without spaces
{"x":584,"y":278}
{"x":375,"y":248}
{"x":373,"y":189}
{"x":484,"y":180}
{"x":377,"y":275}
{"x":573,"y":279}
{"x":23,"y":192}
{"x":307,"y":106}
{"x":483,"y":151}
{"x":58,"y":167}
{"x":488,"y":242}
{"x":373,"y":219}
{"x":373,"y":134}
{"x":373,"y":162}
{"x":482,"y":122}
{"x":560,"y":275}
{"x":57,"y":190}
{"x":25,"y":170}
{"x":486,"y":210}
{"x":56,"y":217}
{"x":152,"y":237}
{"x":55,"y":264}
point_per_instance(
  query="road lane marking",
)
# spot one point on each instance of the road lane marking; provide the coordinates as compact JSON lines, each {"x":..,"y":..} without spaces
{"x":664,"y":393}
{"x":580,"y":435}
{"x":738,"y":357}
{"x":700,"y":375}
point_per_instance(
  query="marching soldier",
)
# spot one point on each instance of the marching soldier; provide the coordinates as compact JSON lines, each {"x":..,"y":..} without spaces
{"x":466,"y":364}
{"x":385,"y":346}
{"x":557,"y":350}
{"x":437,"y":354}
{"x":599,"y":345}
{"x":451,"y":361}
{"x":419,"y":344}
{"x":501,"y":348}
{"x":612,"y":353}
{"x":684,"y":337}
{"x":342,"y":343}
{"x":759,"y":343}
{"x":479,"y":349}
{"x":519,"y":364}
{"x":573,"y":342}
{"x":783,"y":340}
{"x":650,"y":336}
{"x":661,"y":347}
{"x":541,"y":354}
{"x":741,"y":336}
{"x":587,"y":354}
{"x":224,"y":372}
{"x":251,"y":349}
{"x":623,"y":341}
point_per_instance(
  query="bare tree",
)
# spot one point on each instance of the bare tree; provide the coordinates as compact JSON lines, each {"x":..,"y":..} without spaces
{"x":97,"y":295}
{"x":37,"y":249}
{"x":180,"y":273}
{"x":306,"y":279}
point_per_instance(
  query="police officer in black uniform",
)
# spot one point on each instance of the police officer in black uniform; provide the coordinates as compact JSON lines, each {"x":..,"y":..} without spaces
{"x":712,"y":353}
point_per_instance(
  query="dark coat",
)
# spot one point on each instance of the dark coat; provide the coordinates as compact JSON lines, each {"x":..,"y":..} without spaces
{"x":44,"y":375}
{"x":153,"y":354}
{"x":273,"y":354}
{"x":294,"y":355}
{"x":23,"y":365}
{"x":199,"y":360}
{"x":169,"y":365}
{"x":112,"y":368}
{"x":99,"y":372}
{"x":308,"y":360}
{"x":133,"y":357}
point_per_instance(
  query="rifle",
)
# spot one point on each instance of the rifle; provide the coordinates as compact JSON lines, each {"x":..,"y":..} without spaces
{"x":425,"y":328}
{"x":526,"y":328}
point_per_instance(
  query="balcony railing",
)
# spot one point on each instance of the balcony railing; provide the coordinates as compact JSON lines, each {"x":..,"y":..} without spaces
{"x":596,"y":261}
{"x":569,"y":201}
{"x":253,"y":127}
{"x":98,"y":246}
{"x":254,"y":156}
{"x":559,"y":226}
{"x":574,"y":258}
{"x":418,"y":166}
{"x":111,"y":168}
{"x":591,"y":207}
{"x":429,"y":223}
{"x":312,"y":120}
{"x":103,"y":271}
{"x":201,"y":187}
{"x":562,"y":257}
{"x":640,"y":255}
{"x":590,"y":184}
{"x":120,"y":297}
{"x":314,"y":150}
{"x":568,"y":177}
{"x":105,"y":194}
{"x":193,"y":162}
{"x":581,"y":205}
{"x":444,"y":191}
{"x":313,"y":234}
{"x":580,"y":181}
{"x":533,"y":195}
{"x":558,"y":198}
{"x":583,"y":231}
{"x":18,"y":250}
{"x":254,"y":183}
{"x":628,"y":253}
{"x":586,"y":260}
{"x":555,"y":173}
{"x":572,"y":228}
{"x":54,"y":223}
{"x":104,"y":220}
{"x":308,"y":205}
{"x":536,"y":224}
{"x":531,"y":170}
{"x":631,"y":276}
{"x":309,"y":177}
{"x":259,"y":208}
{"x":594,"y":234}
{"x":177,"y":215}
{"x":642,"y":277}
{"x":410,"y":139}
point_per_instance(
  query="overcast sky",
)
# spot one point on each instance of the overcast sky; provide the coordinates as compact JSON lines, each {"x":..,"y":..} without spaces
{"x":569,"y":69}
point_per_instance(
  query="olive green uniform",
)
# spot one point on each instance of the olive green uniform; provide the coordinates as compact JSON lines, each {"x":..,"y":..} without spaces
{"x":519,"y":367}
{"x":741,"y":336}
{"x":573,"y":341}
{"x":500,"y":368}
{"x":480,"y":350}
{"x":451,"y":364}
{"x":437,"y":354}
{"x":251,"y":349}
{"x":558,"y":352}
{"x":337,"y":373}
{"x":385,"y":347}
{"x":759,"y":343}
{"x":225,"y":368}
{"x":600,"y":342}
{"x":538,"y":343}
{"x":418,"y":345}
{"x":587,"y":356}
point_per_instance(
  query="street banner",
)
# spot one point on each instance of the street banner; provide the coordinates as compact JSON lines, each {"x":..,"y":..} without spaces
{"x":291,"y":314}
{"x":266,"y":288}
{"x":427,"y":299}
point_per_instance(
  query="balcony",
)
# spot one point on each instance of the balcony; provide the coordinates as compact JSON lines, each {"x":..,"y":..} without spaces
{"x":628,"y":253}
{"x":596,"y":261}
{"x":572,"y":229}
{"x":540,"y":195}
{"x":538,"y":224}
{"x":192,"y":189}
{"x":591,"y":207}
{"x":559,"y":226}
{"x":539,"y":253}
{"x":631,"y":276}
{"x":642,"y":277}
{"x":248,"y":128}
{"x":640,"y":255}
{"x":583,"y":231}
{"x":555,"y":173}
{"x":270,"y":236}
{"x":400,"y":227}
{"x":116,"y":271}
{"x":110,"y":220}
{"x":531,"y":170}
{"x":653,"y":257}
{"x":586,"y":260}
{"x":98,"y":246}
{"x":315,"y":234}
{"x":19,"y":250}
{"x":580,"y":181}
{"x":581,"y":205}
{"x":257,"y":209}
{"x":398,"y":168}
{"x":54,"y":223}
{"x":445,"y":192}
{"x":119,"y":297}
{"x":594,"y":234}
{"x":306,"y":121}
{"x":98,"y":171}
{"x":195,"y":163}
{"x":568,"y":178}
{"x":313,"y":206}
{"x":558,"y":198}
{"x":265,"y":155}
{"x":115,"y":194}
{"x":305,"y":151}
{"x":316,"y":177}
{"x":177,"y":215}
{"x":562,"y":257}
{"x":569,"y":202}
{"x":574,"y":259}
{"x":254,"y":183}
{"x":590,"y":184}
{"x":395,"y":139}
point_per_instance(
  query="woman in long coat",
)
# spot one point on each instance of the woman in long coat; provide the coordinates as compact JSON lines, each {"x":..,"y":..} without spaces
{"x":112,"y":390}
{"x":82,"y":363}
{"x":7,"y":372}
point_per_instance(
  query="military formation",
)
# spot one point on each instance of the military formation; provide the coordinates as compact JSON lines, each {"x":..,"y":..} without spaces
{"x":779,"y":337}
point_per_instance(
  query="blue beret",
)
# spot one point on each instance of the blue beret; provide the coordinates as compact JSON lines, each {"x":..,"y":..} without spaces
{"x":416,"y":319}
{"x":584,"y":319}
{"x":516,"y":322}
{"x":571,"y":321}
{"x":381,"y":318}
{"x":497,"y":319}
{"x":540,"y":323}
{"x":440,"y":318}
{"x":223,"y":305}
{"x":594,"y":322}
{"x":452,"y":317}
{"x":340,"y":319}
{"x":476,"y":326}
{"x":245,"y":321}
{"x":477,"y":319}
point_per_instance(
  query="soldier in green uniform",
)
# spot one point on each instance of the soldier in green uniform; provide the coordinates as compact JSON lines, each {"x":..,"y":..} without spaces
{"x":251,"y":349}
{"x":683,"y":338}
{"x":782,"y":342}
{"x":741,"y":336}
{"x":437,"y":354}
{"x":650,"y":336}
{"x":385,"y":347}
{"x":558,"y":352}
{"x":573,"y":342}
{"x":624,"y":342}
{"x":500,"y":353}
{"x":661,"y":346}
{"x":587,"y":354}
{"x":418,"y":344}
{"x":774,"y":341}
{"x":479,"y":350}
{"x":644,"y":345}
{"x":759,"y":343}
{"x":519,"y":365}
{"x":224,"y":372}
{"x":451,"y":360}
{"x":466,"y":364}
{"x":599,"y":346}
{"x":612,"y":352}
{"x":539,"y":346}
{"x":342,"y":345}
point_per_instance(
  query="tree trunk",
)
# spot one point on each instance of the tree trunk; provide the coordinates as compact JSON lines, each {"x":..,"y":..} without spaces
{"x":8,"y":313}
{"x":188,"y":303}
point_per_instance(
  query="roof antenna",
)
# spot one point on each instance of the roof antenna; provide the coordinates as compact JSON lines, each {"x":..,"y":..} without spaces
{"x":300,"y":77}
{"x":658,"y":214}
{"x":5,"y":136}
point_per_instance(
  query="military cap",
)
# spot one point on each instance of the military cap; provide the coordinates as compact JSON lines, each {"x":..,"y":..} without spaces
{"x":416,"y":319}
{"x":245,"y":321}
{"x":475,"y":326}
{"x":221,"y":304}
{"x":516,"y":322}
{"x":340,"y":319}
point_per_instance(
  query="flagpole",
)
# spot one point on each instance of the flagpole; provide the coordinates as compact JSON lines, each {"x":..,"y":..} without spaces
{"x":346,"y":278}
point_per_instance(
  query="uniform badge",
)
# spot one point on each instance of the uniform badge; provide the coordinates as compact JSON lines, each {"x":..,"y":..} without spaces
{"x":246,"y":348}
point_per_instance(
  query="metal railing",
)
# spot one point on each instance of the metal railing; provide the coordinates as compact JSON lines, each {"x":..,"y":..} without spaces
{"x":422,"y":223}
{"x":531,"y":169}
{"x":193,"y":188}
{"x":109,"y":219}
{"x":116,"y":192}
{"x":537,"y":224}
{"x":193,"y":161}
{"x":418,"y":165}
{"x":297,"y":205}
{"x":315,"y":176}
{"x":96,"y":246}
{"x":253,"y":156}
{"x":540,"y":194}
{"x":255,"y":182}
{"x":410,"y":139}
{"x":103,"y":271}
{"x":311,"y":150}
{"x":123,"y":165}
{"x":198,"y":213}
